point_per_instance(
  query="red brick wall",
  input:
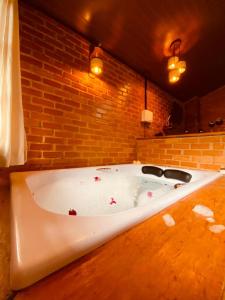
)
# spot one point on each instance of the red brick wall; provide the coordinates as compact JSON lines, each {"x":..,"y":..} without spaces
{"x":198,"y":152}
{"x":70,"y":118}
{"x":211,"y":107}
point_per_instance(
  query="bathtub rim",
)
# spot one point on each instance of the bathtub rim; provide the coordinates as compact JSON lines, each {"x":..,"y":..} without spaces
{"x":29,"y":174}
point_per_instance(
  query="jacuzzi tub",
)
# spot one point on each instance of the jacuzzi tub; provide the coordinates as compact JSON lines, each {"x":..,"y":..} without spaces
{"x":105,"y":201}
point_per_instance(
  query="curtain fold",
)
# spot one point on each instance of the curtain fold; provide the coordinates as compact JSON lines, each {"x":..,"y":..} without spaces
{"x":12,"y":134}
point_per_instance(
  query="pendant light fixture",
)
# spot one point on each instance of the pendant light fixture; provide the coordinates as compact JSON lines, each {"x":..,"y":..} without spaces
{"x":175,"y":66}
{"x":96,"y":62}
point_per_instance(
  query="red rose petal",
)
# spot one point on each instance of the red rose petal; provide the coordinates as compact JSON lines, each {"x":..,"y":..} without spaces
{"x":113,"y":201}
{"x":72,"y":212}
{"x":96,"y":178}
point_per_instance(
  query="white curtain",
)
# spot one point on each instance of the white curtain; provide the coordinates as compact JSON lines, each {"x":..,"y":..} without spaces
{"x":12,"y":134}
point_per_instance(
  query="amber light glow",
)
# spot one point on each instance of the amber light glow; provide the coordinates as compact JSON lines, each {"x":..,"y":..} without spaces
{"x":174,"y":76}
{"x":96,"y":62}
{"x":181,"y":66}
{"x":96,"y":65}
{"x":172,"y":62}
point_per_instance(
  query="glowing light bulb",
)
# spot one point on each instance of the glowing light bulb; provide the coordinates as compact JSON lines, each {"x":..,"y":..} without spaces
{"x":96,"y":70}
{"x":181,"y":66}
{"x":174,"y":76}
{"x":172,"y":62}
{"x":96,"y":65}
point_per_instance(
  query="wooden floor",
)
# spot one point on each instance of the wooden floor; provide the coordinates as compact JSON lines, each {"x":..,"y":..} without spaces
{"x":151,"y":261}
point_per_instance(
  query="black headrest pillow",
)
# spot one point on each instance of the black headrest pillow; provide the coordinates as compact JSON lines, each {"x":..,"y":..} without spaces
{"x":152,"y":170}
{"x":177,"y":174}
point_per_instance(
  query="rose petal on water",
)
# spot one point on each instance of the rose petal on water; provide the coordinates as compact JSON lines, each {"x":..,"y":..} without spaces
{"x":149,"y":194}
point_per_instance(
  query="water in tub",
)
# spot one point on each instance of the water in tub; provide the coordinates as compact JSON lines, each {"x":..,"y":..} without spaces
{"x":99,"y":194}
{"x":151,"y":189}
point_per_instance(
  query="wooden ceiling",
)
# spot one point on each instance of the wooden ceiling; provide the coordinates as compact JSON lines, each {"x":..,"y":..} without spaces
{"x":139,"y":33}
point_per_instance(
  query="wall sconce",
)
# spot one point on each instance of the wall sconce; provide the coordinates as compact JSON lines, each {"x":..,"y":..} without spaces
{"x":96,"y":63}
{"x":175,"y":66}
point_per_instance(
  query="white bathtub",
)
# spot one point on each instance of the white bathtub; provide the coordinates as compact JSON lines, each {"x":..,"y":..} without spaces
{"x":107,"y":201}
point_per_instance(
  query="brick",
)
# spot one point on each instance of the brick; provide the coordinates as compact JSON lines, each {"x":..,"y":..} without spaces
{"x":52,"y":69}
{"x":189,"y":164}
{"x":54,"y":140}
{"x":30,"y":123}
{"x":27,"y":99}
{"x":64,"y":134}
{"x":41,"y":147}
{"x":174,"y":152}
{"x":213,"y":152}
{"x":32,"y":107}
{"x":31,"y":61}
{"x":181,"y":146}
{"x":53,"y":97}
{"x":192,"y":152}
{"x":219,"y":160}
{"x":41,"y":116}
{"x":42,"y":131}
{"x":52,"y":83}
{"x":72,"y":103}
{"x":75,"y":141}
{"x":72,"y":154}
{"x":46,"y":30}
{"x":71,"y":90}
{"x":42,"y":102}
{"x":33,"y":138}
{"x":25,"y":82}
{"x":52,"y":125}
{"x":71,"y":128}
{"x":31,"y":76}
{"x":32,"y":31}
{"x":172,"y":162}
{"x":200,"y":146}
{"x":34,"y":154}
{"x":31,"y":92}
{"x":219,"y":146}
{"x":38,"y":161}
{"x":64,"y":147}
{"x":53,"y":112}
{"x":52,"y":154}
{"x":63,"y":107}
{"x":213,"y":167}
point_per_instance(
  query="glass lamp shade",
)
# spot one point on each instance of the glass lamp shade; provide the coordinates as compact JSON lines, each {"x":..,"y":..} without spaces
{"x":172,"y":62}
{"x":181,"y":66}
{"x":96,"y":65}
{"x":174,"y":76}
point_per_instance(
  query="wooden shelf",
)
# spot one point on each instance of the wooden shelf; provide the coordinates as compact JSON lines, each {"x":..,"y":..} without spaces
{"x":185,"y":135}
